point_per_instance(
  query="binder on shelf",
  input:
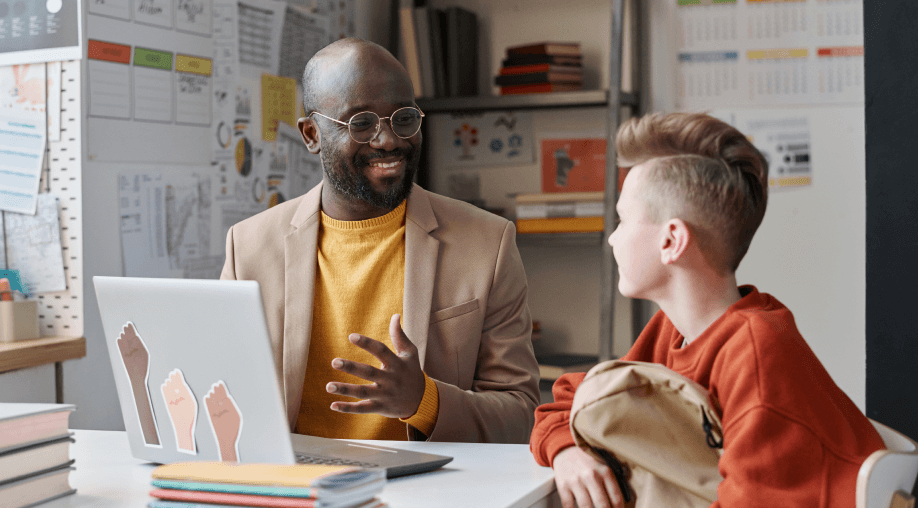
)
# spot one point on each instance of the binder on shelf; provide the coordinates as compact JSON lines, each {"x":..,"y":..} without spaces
{"x":409,"y":46}
{"x":437,"y":25}
{"x":425,"y":50}
{"x":462,"y":51}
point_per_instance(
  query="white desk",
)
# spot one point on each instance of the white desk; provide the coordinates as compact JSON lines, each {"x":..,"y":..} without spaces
{"x":481,"y":475}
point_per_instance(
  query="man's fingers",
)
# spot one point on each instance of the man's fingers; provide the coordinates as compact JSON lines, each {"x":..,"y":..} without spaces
{"x":349,"y":390}
{"x":399,"y":340}
{"x":360,"y":407}
{"x":361,"y":370}
{"x":374,"y":347}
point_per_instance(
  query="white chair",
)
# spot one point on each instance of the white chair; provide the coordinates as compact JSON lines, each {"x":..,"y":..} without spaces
{"x":887,"y":471}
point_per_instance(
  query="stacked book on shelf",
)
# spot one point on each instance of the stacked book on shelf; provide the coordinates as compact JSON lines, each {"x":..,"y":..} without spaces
{"x":560,"y":212}
{"x":540,"y":68}
{"x":196,"y":484}
{"x":439,"y":48}
{"x":35,"y":461}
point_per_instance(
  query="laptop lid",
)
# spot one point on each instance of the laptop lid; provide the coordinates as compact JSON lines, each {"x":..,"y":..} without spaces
{"x":196,"y":378}
{"x":194,"y":370}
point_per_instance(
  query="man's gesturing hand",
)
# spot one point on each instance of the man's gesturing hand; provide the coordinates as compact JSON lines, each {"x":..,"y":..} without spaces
{"x":395,"y":389}
{"x":584,"y":482}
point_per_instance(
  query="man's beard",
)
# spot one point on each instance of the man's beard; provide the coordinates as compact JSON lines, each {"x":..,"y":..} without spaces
{"x":354,"y":183}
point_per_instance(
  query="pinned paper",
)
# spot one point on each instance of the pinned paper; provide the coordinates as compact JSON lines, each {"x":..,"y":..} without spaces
{"x":136,"y":360}
{"x":225,"y":420}
{"x":183,"y":410}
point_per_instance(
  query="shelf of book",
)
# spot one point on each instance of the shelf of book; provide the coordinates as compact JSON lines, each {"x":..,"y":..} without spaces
{"x":581,"y":99}
{"x":592,"y":239}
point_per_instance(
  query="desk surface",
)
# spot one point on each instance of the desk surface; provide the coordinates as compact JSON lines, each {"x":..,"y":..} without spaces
{"x":481,"y":475}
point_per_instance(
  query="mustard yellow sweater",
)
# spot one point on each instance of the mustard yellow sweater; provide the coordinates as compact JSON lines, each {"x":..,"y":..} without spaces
{"x":359,"y":286}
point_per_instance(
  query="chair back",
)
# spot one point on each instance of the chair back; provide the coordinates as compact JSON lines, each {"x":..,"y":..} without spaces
{"x":887,"y":471}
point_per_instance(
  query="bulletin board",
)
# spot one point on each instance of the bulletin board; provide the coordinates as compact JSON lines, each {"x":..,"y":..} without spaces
{"x":61,"y":313}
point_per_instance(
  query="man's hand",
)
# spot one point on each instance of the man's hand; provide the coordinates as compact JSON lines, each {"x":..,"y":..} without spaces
{"x":395,"y":389}
{"x":584,"y":482}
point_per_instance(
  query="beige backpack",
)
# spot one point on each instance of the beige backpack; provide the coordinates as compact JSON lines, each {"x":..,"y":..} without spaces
{"x":659,"y":431}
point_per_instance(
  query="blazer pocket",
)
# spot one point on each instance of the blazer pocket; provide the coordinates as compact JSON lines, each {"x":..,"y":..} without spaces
{"x":456,"y":310}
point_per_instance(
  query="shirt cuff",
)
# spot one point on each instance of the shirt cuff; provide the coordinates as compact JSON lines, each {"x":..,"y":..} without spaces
{"x":425,"y":418}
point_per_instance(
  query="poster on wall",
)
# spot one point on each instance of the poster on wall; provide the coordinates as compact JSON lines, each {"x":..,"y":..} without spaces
{"x":40,"y":31}
{"x":768,"y":53}
{"x":573,"y":164}
{"x":487,"y":139}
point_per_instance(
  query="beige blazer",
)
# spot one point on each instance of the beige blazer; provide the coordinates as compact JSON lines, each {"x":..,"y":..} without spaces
{"x":464,"y":307}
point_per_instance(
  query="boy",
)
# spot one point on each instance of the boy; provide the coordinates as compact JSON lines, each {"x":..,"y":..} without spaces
{"x":691,"y":202}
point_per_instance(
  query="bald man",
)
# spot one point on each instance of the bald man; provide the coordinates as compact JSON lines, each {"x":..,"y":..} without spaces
{"x":394,"y":313}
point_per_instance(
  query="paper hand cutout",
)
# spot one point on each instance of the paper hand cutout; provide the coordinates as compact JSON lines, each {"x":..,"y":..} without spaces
{"x":225,"y":420}
{"x":136,"y":360}
{"x":183,"y":410}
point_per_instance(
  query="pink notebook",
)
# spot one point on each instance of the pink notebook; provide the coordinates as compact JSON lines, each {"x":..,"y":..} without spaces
{"x":236,"y":499}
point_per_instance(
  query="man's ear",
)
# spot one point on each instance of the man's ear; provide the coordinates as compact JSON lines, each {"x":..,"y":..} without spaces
{"x":311,"y":134}
{"x":675,"y":241}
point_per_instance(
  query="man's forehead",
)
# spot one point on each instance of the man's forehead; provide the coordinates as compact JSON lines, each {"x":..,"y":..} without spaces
{"x":358,"y":80}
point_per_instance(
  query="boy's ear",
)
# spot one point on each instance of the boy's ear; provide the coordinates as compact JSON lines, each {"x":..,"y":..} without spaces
{"x":311,"y":134}
{"x":675,"y":241}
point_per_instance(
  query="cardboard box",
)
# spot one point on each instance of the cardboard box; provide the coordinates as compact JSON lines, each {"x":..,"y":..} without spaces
{"x":18,"y":320}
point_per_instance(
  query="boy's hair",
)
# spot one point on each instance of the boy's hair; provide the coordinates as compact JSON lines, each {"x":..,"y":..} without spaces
{"x":709,"y":174}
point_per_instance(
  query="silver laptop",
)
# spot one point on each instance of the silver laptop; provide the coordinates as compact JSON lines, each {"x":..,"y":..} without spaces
{"x":196,"y":379}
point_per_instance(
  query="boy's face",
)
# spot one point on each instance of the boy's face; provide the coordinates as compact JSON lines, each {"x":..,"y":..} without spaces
{"x":636,"y":241}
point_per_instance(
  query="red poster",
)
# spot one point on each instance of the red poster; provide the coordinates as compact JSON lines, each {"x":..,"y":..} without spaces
{"x":573,"y":165}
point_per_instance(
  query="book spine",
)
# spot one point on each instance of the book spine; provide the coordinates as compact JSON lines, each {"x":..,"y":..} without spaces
{"x":540,"y":88}
{"x":538,"y":77}
{"x":562,"y":209}
{"x":543,"y":67}
{"x":409,"y":42}
{"x":425,"y":50}
{"x":560,"y":225}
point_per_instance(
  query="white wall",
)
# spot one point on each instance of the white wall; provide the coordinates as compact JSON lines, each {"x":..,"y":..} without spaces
{"x":810,"y":249}
{"x":28,"y":385}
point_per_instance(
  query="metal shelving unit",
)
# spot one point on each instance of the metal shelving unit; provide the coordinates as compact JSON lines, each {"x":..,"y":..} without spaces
{"x":580,"y":99}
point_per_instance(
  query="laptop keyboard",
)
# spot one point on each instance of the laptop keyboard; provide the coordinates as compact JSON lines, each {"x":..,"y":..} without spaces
{"x":311,"y":459}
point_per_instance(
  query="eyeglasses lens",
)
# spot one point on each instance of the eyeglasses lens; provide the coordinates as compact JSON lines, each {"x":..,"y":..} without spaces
{"x":405,"y":122}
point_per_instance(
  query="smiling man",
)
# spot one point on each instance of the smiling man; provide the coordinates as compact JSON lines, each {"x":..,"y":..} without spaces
{"x":394,"y":313}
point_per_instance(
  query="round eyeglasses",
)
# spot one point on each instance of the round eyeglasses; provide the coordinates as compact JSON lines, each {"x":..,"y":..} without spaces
{"x":364,"y":127}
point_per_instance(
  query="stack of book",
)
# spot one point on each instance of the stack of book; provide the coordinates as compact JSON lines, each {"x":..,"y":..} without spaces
{"x":542,"y":67}
{"x":560,"y":212}
{"x":35,"y":461}
{"x":193,"y":484}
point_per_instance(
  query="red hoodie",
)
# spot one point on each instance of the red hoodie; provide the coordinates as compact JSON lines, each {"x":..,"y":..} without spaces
{"x":791,"y":436}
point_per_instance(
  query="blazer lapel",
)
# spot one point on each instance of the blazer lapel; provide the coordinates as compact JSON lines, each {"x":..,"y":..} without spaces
{"x":420,"y":269}
{"x":300,"y":260}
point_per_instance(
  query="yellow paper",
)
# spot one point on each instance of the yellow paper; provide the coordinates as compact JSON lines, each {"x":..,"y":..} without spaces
{"x":300,"y":475}
{"x":278,"y":104}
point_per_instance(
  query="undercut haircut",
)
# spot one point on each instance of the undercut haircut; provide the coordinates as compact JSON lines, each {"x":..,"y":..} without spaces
{"x":708,"y":173}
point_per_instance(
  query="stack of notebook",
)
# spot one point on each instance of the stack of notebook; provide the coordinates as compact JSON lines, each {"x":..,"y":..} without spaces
{"x":35,"y":461}
{"x":195,"y":484}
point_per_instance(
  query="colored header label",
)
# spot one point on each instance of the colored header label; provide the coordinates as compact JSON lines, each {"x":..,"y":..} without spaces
{"x":705,"y":2}
{"x":152,"y":58}
{"x":777,"y":54}
{"x":841,"y":51}
{"x":709,"y":56}
{"x":118,"y":53}
{"x":193,"y":64}
{"x":773,"y":1}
